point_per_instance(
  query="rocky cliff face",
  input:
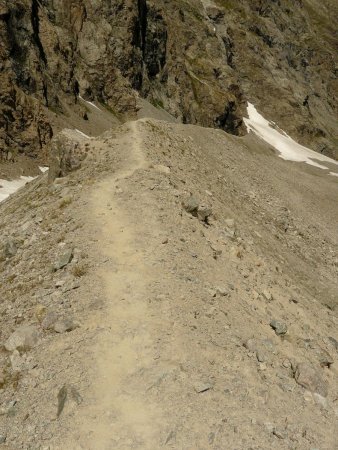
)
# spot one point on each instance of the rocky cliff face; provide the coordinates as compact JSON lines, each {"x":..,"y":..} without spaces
{"x":200,"y":61}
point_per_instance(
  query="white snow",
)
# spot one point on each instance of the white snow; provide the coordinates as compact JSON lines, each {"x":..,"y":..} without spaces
{"x":9,"y":187}
{"x":89,"y":103}
{"x":288,"y":149}
{"x":82,"y":134}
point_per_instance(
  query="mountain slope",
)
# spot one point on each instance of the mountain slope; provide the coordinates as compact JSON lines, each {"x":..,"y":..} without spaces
{"x":201,"y":61}
{"x":166,"y":320}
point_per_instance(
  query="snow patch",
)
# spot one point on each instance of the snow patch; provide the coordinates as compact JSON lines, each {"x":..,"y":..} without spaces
{"x":90,"y":103}
{"x":288,"y":149}
{"x":9,"y":187}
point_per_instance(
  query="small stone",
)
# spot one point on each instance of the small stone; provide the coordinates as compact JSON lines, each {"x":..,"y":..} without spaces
{"x":191,"y":205}
{"x":324,"y":357}
{"x":230,"y":223}
{"x":59,"y":283}
{"x":221,"y":291}
{"x":200,"y":387}
{"x":2,"y":439}
{"x":251,"y":345}
{"x":67,"y":393}
{"x":308,"y":377}
{"x":262,"y":366}
{"x":203,"y":213}
{"x":162,"y":169}
{"x":9,"y":249}
{"x":279,"y":327}
{"x":17,"y":362}
{"x":64,"y":326}
{"x":261,"y":356}
{"x":334,"y":342}
{"x":267,"y":295}
{"x":165,"y":241}
{"x":280,"y":433}
{"x":49,"y":320}
{"x":320,"y":400}
{"x":287,"y":364}
{"x":269,"y":427}
{"x":62,"y":397}
{"x":23,"y":339}
{"x":64,"y":259}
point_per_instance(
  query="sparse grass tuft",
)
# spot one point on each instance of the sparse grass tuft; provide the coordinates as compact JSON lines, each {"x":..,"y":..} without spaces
{"x":79,"y":270}
{"x":65,"y":202}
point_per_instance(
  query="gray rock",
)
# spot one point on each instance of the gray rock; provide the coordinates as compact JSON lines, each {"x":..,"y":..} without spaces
{"x":64,"y":326}
{"x":49,"y":320}
{"x":203,"y":213}
{"x":8,"y":249}
{"x":320,"y":400}
{"x":230,"y":223}
{"x":263,"y":348}
{"x":334,"y":342}
{"x":64,"y":259}
{"x":63,"y":156}
{"x":308,"y":377}
{"x":279,"y":327}
{"x":162,"y":169}
{"x":67,"y":393}
{"x":2,"y":438}
{"x":267,"y":295}
{"x":23,"y":339}
{"x":223,"y":292}
{"x":280,"y":433}
{"x":230,"y":229}
{"x":200,"y":387}
{"x":269,"y":427}
{"x":324,"y":357}
{"x":191,"y":205}
{"x":17,"y":361}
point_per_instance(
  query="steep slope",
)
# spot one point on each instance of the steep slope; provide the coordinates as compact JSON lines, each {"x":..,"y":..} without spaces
{"x":164,"y":320}
{"x":201,"y":61}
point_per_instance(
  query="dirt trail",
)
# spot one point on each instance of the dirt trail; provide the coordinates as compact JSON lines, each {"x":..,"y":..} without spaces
{"x":118,"y":414}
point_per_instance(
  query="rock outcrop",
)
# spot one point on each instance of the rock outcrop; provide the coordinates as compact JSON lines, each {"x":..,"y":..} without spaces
{"x":199,"y":61}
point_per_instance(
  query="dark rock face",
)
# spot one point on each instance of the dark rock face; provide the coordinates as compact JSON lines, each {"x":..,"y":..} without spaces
{"x":199,"y":63}
{"x":284,"y":54}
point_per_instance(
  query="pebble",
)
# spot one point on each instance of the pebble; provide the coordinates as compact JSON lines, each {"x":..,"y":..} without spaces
{"x":202,"y":387}
{"x":279,"y":327}
{"x":191,"y":205}
{"x":203,"y":213}
{"x":10,"y":248}
{"x":49,"y":320}
{"x":267,"y":295}
{"x":64,"y":326}
{"x":280,"y":433}
{"x":64,"y":259}
{"x":2,"y":439}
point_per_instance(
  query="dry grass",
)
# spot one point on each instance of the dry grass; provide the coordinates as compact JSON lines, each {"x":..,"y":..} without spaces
{"x":79,"y":270}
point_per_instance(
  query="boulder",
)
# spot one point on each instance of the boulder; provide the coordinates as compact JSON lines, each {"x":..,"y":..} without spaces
{"x":64,"y":156}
